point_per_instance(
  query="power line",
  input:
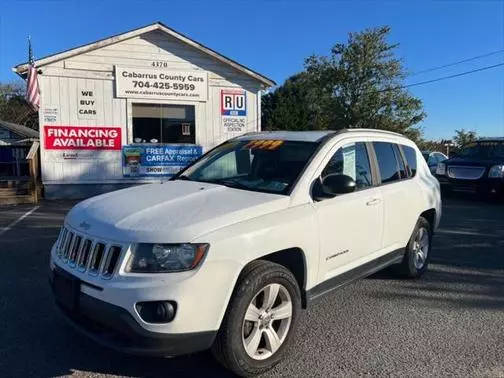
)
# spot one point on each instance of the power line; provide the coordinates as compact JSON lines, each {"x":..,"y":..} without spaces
{"x":456,"y":63}
{"x":430,"y":81}
{"x":442,"y":78}
{"x":427,"y":81}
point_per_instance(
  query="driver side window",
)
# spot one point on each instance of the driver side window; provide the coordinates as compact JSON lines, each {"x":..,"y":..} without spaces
{"x":351,"y":160}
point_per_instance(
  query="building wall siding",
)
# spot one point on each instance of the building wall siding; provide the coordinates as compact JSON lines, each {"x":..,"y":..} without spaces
{"x":60,"y":83}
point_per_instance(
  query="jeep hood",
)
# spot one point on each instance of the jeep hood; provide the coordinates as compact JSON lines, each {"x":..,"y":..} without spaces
{"x":176,"y":211}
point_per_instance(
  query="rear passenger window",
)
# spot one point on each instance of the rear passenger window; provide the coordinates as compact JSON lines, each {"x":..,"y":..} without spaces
{"x":351,"y":160}
{"x":410,"y":155}
{"x":402,"y":168}
{"x":386,"y":162}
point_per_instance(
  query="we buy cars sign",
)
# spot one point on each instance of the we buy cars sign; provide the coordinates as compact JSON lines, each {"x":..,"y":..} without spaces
{"x":82,"y":138}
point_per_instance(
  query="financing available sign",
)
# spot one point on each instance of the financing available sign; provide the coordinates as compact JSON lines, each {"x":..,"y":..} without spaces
{"x":82,"y":138}
{"x":133,"y":82}
{"x":158,"y":160}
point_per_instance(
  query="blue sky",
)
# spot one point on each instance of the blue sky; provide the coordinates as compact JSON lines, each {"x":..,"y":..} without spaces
{"x":273,"y":37}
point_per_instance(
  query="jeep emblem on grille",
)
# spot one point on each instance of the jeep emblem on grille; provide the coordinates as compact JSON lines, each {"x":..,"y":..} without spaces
{"x":85,"y":226}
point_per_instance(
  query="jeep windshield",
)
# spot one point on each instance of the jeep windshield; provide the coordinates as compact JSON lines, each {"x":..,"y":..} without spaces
{"x":270,"y":166}
{"x":483,"y":150}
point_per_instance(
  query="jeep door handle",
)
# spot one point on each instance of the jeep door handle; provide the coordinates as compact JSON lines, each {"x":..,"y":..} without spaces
{"x":374,"y":201}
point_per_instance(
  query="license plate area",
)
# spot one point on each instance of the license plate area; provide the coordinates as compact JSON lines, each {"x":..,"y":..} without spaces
{"x":66,"y":289}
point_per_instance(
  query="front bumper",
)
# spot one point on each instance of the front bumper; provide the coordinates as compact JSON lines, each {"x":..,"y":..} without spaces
{"x":114,"y":327}
{"x":201,"y":295}
{"x":485,"y":186}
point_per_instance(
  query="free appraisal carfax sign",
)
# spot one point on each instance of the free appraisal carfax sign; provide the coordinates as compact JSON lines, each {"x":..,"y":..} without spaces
{"x":158,"y":160}
{"x":82,"y":138}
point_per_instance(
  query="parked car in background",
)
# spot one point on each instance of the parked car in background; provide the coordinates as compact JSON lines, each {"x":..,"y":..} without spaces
{"x":433,"y":158}
{"x":227,"y":253}
{"x":477,"y":168}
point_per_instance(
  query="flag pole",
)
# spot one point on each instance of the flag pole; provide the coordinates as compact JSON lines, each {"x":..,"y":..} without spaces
{"x":32,"y":87}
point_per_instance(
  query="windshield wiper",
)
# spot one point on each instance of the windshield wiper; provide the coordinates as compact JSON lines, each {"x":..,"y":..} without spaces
{"x":184,"y":177}
{"x":231,"y":183}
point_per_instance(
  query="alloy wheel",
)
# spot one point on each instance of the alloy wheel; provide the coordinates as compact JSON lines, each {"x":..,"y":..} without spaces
{"x":267,"y":321}
{"x":421,"y":248}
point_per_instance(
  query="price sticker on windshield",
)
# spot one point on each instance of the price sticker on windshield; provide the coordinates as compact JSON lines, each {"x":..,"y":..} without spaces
{"x":264,"y":144}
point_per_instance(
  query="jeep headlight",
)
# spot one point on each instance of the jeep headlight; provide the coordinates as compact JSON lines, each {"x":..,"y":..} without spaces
{"x":441,"y":169}
{"x":497,"y":171}
{"x":164,"y":258}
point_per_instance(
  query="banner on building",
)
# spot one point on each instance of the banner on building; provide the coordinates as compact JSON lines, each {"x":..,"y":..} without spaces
{"x":133,"y":82}
{"x":157,"y":160}
{"x":234,"y":110}
{"x":82,"y":138}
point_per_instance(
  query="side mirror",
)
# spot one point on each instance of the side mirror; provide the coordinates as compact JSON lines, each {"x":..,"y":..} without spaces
{"x":335,"y":184}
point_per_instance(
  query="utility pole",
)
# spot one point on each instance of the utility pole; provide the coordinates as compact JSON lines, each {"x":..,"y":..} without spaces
{"x":447,"y":144}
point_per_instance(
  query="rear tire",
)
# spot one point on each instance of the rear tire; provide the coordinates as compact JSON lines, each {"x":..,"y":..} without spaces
{"x":260,"y":321}
{"x":418,"y":250}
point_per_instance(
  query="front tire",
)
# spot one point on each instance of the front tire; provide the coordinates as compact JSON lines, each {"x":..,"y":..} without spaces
{"x":418,"y":250}
{"x":260,"y":321}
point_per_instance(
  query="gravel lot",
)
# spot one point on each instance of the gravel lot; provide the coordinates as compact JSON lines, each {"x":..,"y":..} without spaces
{"x":451,"y":322}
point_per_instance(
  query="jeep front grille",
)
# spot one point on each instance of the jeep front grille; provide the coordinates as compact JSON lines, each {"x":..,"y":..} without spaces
{"x":96,"y":257}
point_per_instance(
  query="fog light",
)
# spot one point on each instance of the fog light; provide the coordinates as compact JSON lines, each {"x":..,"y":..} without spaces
{"x":157,"y":312}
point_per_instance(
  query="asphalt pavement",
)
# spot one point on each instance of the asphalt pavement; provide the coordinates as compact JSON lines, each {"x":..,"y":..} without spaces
{"x":449,"y":323}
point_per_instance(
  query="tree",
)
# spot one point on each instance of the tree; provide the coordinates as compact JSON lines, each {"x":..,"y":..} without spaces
{"x":357,"y":85}
{"x":462,"y":138}
{"x":287,"y":108}
{"x":13,"y":106}
{"x":431,"y":145}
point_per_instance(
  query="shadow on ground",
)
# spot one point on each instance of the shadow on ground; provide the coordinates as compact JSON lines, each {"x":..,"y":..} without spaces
{"x":35,"y":341}
{"x":467,"y":272}
{"x":467,"y":261}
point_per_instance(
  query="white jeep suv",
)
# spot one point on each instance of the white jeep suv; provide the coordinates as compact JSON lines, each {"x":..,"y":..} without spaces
{"x":227,"y":253}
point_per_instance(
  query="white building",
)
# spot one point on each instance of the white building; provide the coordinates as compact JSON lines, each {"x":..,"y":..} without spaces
{"x":136,"y":107}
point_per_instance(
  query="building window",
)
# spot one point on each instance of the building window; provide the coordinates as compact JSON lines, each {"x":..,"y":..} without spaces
{"x":160,"y":123}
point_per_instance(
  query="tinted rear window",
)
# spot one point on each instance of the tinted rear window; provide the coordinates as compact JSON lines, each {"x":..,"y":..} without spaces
{"x":410,"y":154}
{"x":402,"y":168}
{"x":386,"y":161}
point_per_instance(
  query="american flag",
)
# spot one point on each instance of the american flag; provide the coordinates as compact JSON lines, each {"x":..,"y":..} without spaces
{"x":32,"y":87}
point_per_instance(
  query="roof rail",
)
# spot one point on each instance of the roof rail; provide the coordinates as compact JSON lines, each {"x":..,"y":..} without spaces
{"x":374,"y":131}
{"x":330,"y":133}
